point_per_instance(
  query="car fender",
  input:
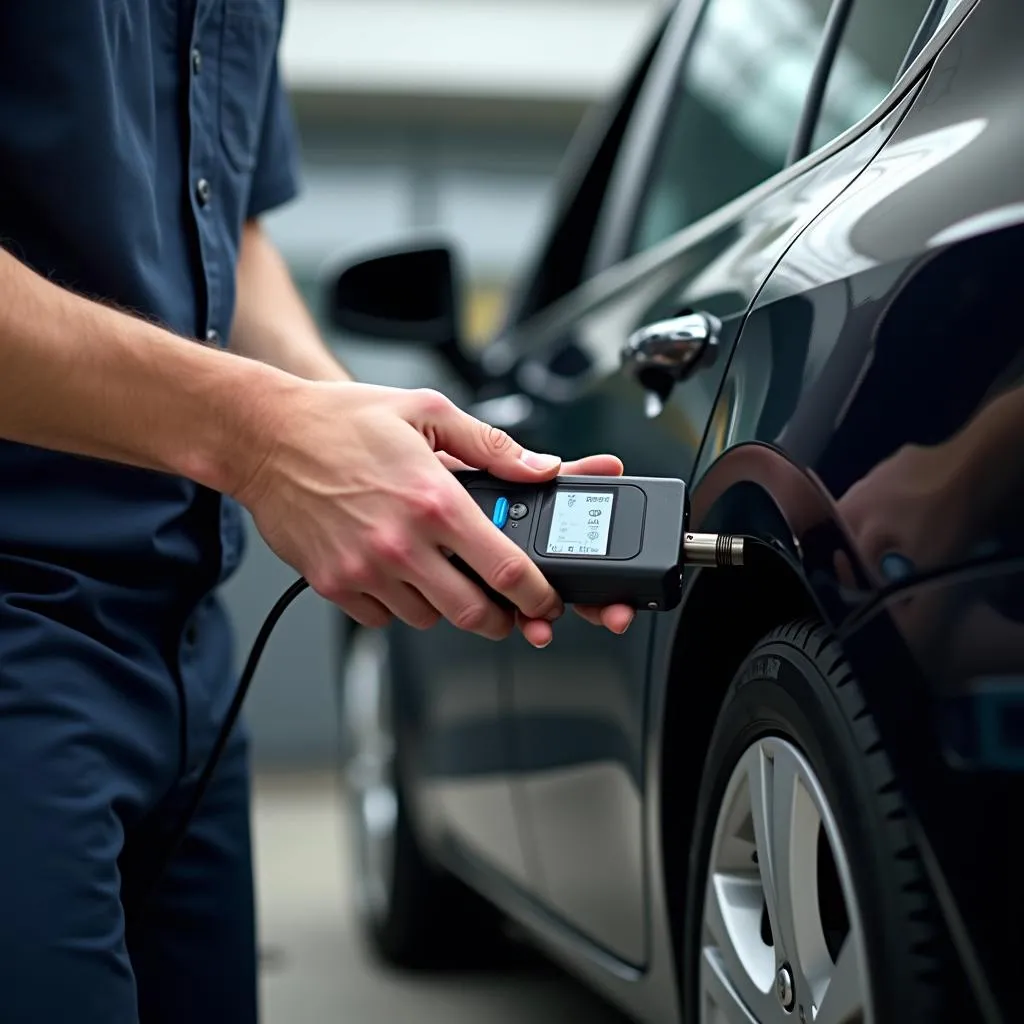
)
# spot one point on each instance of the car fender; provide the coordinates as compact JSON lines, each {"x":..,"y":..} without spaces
{"x":795,"y":541}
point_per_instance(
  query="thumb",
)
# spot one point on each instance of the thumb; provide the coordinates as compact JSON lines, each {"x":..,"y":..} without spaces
{"x":482,"y":446}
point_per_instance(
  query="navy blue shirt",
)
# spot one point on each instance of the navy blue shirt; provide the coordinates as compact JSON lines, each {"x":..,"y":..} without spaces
{"x":136,"y":137}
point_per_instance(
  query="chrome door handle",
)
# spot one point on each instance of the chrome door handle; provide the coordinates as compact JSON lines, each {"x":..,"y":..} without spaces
{"x":672,"y":349}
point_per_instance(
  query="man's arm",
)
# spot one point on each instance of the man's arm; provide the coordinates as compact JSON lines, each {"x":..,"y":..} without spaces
{"x":341,"y":478}
{"x":272,"y":323}
{"x":79,"y":377}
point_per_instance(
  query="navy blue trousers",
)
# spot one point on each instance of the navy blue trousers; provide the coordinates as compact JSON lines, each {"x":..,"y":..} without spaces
{"x":110,"y":698}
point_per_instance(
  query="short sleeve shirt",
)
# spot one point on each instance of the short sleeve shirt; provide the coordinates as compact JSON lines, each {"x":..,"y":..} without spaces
{"x":136,"y":138}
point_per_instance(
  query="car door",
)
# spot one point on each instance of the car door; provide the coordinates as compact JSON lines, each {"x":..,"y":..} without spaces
{"x":703,"y":204}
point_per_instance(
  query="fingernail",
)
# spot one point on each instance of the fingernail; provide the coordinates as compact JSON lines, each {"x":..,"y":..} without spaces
{"x":540,"y":647}
{"x":629,"y":622}
{"x":555,"y":614}
{"x":542,"y":462}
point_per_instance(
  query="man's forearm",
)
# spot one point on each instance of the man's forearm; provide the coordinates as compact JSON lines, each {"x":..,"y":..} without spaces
{"x":79,"y":377}
{"x":272,"y":323}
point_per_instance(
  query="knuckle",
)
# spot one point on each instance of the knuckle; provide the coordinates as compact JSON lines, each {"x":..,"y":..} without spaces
{"x":358,"y":574}
{"x":495,"y":439}
{"x":510,"y":572}
{"x":470,"y":617}
{"x":326,"y":584}
{"x":431,"y":402}
{"x":429,"y":504}
{"x":426,"y":619}
{"x":390,"y":547}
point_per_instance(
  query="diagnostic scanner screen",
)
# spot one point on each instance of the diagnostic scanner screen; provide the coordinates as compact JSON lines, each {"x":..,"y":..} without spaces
{"x":580,"y":523}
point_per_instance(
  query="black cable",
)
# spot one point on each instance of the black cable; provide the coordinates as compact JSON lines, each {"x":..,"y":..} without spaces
{"x":230,"y":718}
{"x":721,"y":550}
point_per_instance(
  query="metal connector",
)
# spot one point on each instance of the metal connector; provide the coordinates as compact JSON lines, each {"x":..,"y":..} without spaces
{"x":712,"y":549}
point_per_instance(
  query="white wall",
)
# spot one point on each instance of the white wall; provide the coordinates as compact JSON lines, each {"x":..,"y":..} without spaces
{"x":553,"y":49}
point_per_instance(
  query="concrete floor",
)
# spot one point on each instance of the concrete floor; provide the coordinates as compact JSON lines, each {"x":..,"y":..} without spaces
{"x":315,"y":970}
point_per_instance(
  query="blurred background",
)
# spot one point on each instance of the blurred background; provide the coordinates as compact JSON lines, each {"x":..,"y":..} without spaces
{"x":416,"y":116}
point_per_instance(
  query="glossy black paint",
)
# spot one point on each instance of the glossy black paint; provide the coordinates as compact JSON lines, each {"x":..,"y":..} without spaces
{"x":865,"y":422}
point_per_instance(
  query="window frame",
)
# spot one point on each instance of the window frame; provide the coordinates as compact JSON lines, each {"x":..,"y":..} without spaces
{"x":915,"y":65}
{"x":532,"y":334}
{"x":631,"y":177}
{"x":587,"y":168}
{"x":625,"y":208}
{"x":839,"y":16}
{"x":611,"y":241}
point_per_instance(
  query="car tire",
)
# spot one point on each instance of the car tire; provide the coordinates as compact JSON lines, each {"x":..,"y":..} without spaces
{"x":805,"y":893}
{"x":411,"y":914}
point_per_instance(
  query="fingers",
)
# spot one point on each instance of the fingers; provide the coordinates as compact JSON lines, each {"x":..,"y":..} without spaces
{"x":452,"y":465}
{"x":478,"y":444}
{"x":365,"y":610}
{"x":499,"y":562}
{"x":615,"y":617}
{"x":460,"y":600}
{"x":593,"y":465}
{"x":407,"y":604}
{"x":537,"y":632}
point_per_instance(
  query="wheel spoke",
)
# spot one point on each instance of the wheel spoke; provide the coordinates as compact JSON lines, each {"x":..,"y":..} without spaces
{"x":370,"y":755}
{"x":749,"y":970}
{"x":718,"y":993}
{"x":843,"y":1000}
{"x":775,"y":814}
{"x":786,"y":827}
{"x":773,"y":782}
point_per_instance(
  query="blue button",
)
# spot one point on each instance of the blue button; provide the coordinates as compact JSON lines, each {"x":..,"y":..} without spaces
{"x":500,"y":517}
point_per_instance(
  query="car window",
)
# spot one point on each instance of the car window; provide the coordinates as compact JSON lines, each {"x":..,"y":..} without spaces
{"x":560,"y":264}
{"x":874,"y":43}
{"x":735,"y":112}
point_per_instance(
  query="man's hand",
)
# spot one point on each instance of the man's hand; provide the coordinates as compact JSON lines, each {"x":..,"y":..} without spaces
{"x":616,"y":617}
{"x":912,"y":508}
{"x":348,"y":490}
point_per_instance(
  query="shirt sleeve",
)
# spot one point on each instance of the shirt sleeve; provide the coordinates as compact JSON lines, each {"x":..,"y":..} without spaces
{"x":276,"y":179}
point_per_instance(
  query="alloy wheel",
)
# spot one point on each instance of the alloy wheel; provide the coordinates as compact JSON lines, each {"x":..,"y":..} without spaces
{"x":782,"y":936}
{"x":370,"y":769}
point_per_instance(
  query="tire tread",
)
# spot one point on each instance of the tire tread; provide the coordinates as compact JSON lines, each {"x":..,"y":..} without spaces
{"x":815,"y":643}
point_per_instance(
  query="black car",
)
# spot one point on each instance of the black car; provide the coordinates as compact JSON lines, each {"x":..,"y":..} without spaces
{"x":796,"y":796}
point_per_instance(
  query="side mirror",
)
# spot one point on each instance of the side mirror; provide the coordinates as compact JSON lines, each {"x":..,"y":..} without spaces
{"x":402,"y":296}
{"x":407,"y":296}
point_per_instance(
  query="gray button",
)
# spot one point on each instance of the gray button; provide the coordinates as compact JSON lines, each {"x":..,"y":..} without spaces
{"x":518,"y":510}
{"x":203,"y":191}
{"x":197,"y":62}
{"x":212,"y":337}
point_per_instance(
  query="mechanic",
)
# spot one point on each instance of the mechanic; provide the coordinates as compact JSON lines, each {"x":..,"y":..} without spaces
{"x":159,"y":372}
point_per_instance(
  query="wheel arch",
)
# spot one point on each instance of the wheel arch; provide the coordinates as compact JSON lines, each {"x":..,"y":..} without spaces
{"x":794,"y":537}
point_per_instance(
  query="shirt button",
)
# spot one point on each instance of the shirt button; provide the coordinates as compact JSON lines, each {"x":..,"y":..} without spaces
{"x":197,"y":62}
{"x":212,"y":337}
{"x":203,"y":191}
